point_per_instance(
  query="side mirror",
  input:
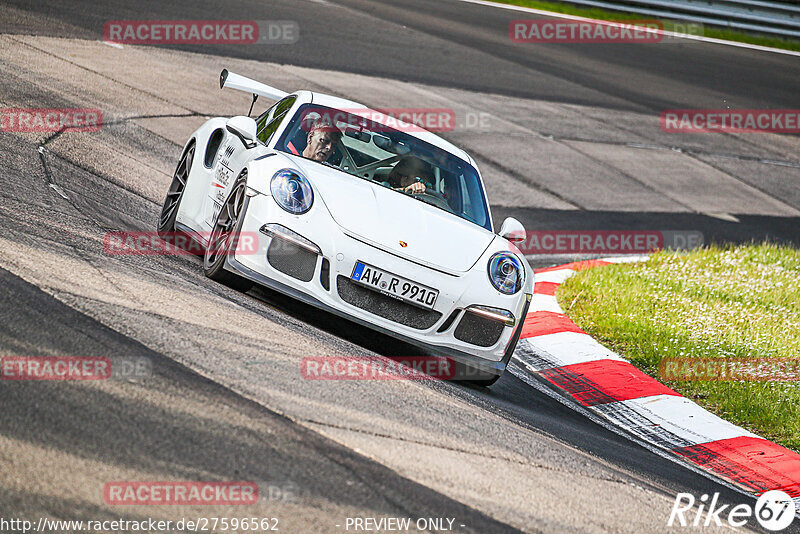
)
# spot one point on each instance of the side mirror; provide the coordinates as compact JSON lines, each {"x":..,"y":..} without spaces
{"x":244,"y":128}
{"x":512,"y":230}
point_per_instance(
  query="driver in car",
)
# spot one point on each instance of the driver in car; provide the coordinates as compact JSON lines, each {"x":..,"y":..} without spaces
{"x":322,"y":138}
{"x":409,"y":174}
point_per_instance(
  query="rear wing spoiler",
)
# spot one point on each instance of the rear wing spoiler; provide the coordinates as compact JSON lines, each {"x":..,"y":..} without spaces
{"x":241,"y":83}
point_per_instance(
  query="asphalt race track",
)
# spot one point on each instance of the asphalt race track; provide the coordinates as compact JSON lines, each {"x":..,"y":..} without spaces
{"x":569,"y":138}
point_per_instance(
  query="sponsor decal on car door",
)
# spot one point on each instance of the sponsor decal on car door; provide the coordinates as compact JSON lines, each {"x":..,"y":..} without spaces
{"x":228,"y":158}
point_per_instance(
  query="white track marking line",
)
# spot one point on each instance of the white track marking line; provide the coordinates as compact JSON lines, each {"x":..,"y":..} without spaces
{"x":607,"y":22}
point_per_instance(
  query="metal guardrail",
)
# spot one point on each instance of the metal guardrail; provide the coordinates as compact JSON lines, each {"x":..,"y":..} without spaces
{"x":772,"y":18}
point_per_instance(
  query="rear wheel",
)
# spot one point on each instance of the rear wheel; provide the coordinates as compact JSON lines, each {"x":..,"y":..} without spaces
{"x":224,"y":238}
{"x":169,"y":212}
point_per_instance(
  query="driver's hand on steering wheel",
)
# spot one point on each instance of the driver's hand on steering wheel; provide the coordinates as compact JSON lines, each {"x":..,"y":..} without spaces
{"x":415,"y":188}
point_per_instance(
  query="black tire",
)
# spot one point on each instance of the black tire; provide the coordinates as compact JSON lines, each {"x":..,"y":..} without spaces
{"x":484,"y":383}
{"x":472,"y":376}
{"x":224,"y":238}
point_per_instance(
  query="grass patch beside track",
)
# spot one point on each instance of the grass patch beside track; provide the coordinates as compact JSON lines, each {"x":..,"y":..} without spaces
{"x":733,"y":302}
{"x":669,"y":25}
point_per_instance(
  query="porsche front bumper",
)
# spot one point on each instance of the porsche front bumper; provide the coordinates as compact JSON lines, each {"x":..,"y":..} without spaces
{"x":310,"y":258}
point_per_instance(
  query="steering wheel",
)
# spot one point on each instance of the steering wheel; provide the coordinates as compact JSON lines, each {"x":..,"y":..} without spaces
{"x":432,"y":197}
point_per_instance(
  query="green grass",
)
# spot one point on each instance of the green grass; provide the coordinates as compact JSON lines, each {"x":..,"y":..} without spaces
{"x":669,"y":25}
{"x":735,"y":302}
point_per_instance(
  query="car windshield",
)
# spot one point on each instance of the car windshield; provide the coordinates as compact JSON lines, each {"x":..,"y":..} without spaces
{"x":395,"y":159}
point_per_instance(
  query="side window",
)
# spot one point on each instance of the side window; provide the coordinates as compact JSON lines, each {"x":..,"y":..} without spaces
{"x":269,"y":121}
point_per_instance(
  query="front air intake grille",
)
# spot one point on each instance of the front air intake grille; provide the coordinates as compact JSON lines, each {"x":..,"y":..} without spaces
{"x":385,"y":306}
{"x":477,"y":330}
{"x":291,"y":259}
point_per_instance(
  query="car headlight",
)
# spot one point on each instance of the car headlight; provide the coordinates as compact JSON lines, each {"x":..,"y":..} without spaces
{"x":291,"y":191}
{"x":506,"y":272}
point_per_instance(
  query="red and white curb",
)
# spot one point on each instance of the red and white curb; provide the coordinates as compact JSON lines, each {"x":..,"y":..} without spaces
{"x":553,"y":348}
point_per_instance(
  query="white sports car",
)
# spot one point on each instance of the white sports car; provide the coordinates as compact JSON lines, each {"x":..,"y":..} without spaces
{"x":359,"y":214}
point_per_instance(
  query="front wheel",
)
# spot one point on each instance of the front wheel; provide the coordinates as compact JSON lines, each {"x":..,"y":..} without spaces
{"x":484,"y":382}
{"x":224,"y":238}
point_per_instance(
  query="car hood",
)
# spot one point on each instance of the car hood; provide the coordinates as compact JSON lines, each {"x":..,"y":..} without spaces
{"x":396,"y":222}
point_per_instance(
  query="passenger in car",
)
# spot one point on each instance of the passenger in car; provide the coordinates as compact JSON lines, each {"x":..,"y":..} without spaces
{"x":409,"y":175}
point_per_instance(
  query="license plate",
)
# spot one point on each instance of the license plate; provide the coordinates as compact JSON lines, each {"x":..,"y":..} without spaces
{"x":394,"y":286}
